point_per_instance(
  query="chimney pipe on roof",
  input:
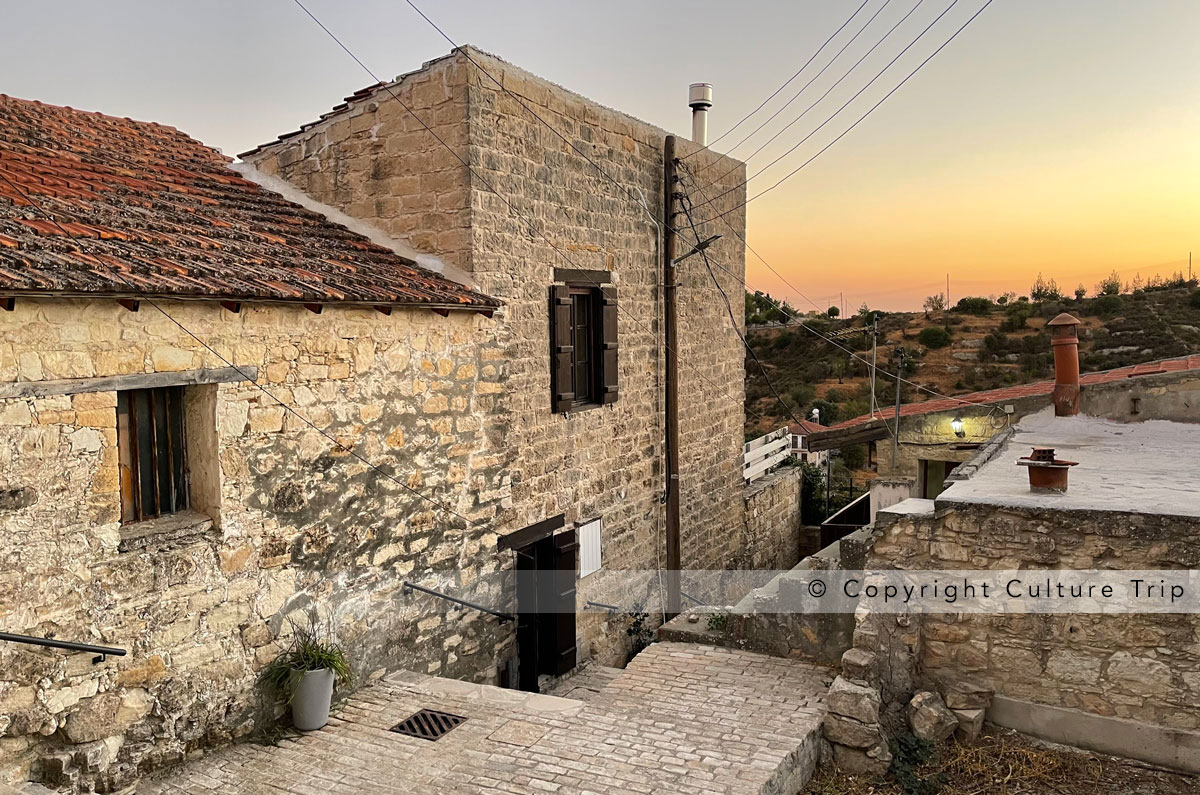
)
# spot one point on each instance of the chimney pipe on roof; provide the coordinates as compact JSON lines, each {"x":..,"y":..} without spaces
{"x":1065,"y":342}
{"x":700,"y":100}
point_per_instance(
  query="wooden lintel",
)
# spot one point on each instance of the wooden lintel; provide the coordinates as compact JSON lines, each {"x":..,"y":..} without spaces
{"x":314,"y":308}
{"x":129,"y":303}
{"x":10,"y":303}
{"x":112,"y":383}
{"x":832,"y":440}
{"x":384,"y":309}
{"x":232,"y":306}
{"x":443,"y":312}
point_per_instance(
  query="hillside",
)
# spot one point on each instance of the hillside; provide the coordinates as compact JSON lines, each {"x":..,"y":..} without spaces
{"x":978,"y":344}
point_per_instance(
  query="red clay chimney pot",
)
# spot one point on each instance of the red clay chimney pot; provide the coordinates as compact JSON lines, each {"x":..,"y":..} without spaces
{"x":1065,"y":343}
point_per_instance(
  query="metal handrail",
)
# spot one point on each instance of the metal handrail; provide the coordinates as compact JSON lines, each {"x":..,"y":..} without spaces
{"x":694,"y":599}
{"x":103,"y":651}
{"x":412,"y":586}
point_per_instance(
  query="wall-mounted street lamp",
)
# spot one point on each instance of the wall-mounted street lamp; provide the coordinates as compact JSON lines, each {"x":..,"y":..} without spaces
{"x":957,"y":425}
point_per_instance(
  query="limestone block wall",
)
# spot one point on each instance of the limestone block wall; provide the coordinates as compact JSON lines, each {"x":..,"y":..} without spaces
{"x":1144,"y":668}
{"x":604,"y":462}
{"x":298,"y":524}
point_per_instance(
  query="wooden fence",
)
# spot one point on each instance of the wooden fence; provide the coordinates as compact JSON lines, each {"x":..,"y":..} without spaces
{"x":761,"y":455}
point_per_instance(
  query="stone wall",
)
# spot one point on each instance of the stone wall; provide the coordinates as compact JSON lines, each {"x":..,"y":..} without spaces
{"x":773,"y":520}
{"x":604,"y":462}
{"x":1144,"y":667}
{"x":293,"y":523}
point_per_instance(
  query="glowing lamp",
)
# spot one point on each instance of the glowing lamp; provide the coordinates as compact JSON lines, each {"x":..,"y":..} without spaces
{"x":957,"y":425}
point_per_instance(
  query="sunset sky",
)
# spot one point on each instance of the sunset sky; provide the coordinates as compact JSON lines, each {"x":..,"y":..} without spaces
{"x":1052,"y":135}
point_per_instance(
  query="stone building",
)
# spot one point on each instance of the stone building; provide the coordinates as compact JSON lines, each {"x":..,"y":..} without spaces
{"x":221,"y":410}
{"x":524,"y":211}
{"x":197,"y":379}
{"x":1126,"y":684}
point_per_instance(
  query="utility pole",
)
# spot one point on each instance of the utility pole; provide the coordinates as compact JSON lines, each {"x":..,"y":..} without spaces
{"x":948,"y":291}
{"x":671,"y":335}
{"x":896,"y":421}
{"x":874,"y":348}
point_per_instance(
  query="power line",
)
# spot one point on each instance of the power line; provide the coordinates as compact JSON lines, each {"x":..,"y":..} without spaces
{"x":474,"y":172}
{"x":861,"y":118}
{"x":820,"y":99}
{"x":785,"y":84}
{"x":813,"y":331}
{"x":846,"y":104}
{"x":812,"y":80}
{"x":685,"y":202}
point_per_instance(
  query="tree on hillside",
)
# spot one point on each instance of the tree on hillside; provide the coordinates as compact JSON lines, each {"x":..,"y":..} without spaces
{"x":1080,"y":292}
{"x":833,"y":311}
{"x":1044,"y":290}
{"x":935,"y":303}
{"x":1110,"y":285}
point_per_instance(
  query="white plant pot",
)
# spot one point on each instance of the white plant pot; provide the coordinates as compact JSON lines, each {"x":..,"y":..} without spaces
{"x":310,"y":702}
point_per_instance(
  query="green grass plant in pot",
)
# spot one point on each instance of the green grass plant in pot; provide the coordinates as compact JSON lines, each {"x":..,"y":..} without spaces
{"x":305,"y":675}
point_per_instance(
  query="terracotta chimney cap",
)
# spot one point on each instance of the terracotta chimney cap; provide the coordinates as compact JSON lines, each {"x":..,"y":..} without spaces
{"x":1064,"y":320}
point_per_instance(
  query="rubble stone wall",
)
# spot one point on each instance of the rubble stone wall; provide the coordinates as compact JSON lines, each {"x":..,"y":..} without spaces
{"x":1144,"y":668}
{"x":294,"y":524}
{"x":773,"y":520}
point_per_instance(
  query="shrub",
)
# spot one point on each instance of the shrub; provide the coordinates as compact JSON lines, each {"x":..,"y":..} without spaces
{"x":974,"y":305}
{"x":1194,"y":300}
{"x":782,"y":341}
{"x":934,"y":337}
{"x":935,"y":303}
{"x":829,"y":411}
{"x":833,"y":311}
{"x":1016,"y":317}
{"x":1108,"y":305}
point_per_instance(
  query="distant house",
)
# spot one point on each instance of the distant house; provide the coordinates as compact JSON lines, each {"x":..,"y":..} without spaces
{"x":800,"y":431}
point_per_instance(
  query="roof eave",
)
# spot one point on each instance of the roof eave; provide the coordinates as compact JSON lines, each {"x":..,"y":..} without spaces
{"x":447,"y":306}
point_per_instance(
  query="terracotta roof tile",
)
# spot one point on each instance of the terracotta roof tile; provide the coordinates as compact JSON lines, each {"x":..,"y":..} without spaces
{"x":142,"y":204}
{"x":993,"y":396}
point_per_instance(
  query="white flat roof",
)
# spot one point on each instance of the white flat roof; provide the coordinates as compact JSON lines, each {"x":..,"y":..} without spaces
{"x":1145,"y":467}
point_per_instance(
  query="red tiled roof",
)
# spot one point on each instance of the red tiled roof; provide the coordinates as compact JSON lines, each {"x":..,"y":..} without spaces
{"x":804,"y":427}
{"x":992,"y":396}
{"x":141,"y":209}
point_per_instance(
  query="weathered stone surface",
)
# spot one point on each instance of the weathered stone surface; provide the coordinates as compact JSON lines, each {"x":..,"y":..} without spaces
{"x":967,"y":694}
{"x":970,"y":724}
{"x":93,"y":719}
{"x":929,"y":717}
{"x":851,"y":700}
{"x":875,"y":761}
{"x":847,"y":731}
{"x":858,"y":665}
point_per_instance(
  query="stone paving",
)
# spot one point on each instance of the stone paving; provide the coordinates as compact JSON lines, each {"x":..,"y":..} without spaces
{"x":680,"y":719}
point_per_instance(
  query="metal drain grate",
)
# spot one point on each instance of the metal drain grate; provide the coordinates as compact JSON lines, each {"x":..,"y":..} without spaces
{"x":428,"y":724}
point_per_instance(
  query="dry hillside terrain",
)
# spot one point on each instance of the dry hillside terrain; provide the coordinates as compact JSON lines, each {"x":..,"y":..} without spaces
{"x":976,"y":345}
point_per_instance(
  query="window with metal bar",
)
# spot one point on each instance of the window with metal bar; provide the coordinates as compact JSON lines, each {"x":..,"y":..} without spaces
{"x":151,"y":450}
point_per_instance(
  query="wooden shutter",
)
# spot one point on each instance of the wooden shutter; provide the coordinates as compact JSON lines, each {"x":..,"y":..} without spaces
{"x":562,"y":658}
{"x":608,"y":345}
{"x":562,"y":350}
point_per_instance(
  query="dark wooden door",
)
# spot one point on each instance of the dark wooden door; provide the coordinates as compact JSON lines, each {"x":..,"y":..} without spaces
{"x":546,"y":571}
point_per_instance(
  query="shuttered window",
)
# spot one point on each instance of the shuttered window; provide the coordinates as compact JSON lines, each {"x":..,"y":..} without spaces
{"x":150,"y":447}
{"x":583,"y":346}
